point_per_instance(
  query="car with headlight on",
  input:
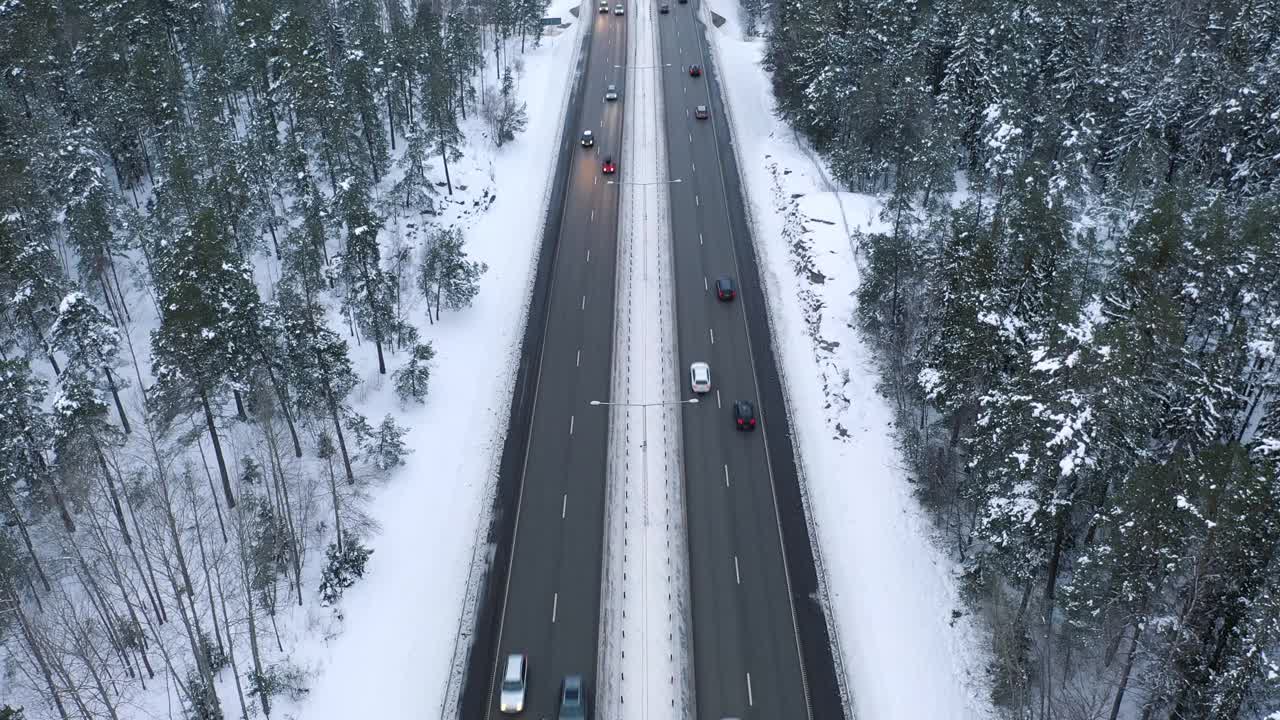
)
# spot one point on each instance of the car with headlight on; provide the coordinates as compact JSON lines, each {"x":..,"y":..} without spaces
{"x":514,"y":676}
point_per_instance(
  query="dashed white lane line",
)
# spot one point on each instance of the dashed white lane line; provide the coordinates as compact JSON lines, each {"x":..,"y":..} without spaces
{"x":690,"y":137}
{"x":697,"y":201}
{"x":736,"y":572}
{"x":593,"y":219}
{"x":578,"y":361}
{"x":564,"y":505}
{"x":705,"y":285}
{"x":713,"y":335}
{"x":699,"y":238}
{"x":726,"y":475}
{"x":588,"y":254}
{"x":571,"y":425}
{"x":750,"y":698}
{"x":555,"y":605}
{"x":718,"y":405}
{"x":695,"y":166}
{"x":584,"y":303}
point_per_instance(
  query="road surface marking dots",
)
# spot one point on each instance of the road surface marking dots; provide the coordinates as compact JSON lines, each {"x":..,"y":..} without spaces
{"x":713,"y":335}
{"x":564,"y":505}
{"x":555,"y":605}
{"x":750,"y":699}
{"x":726,"y":475}
{"x":570,"y":424}
{"x":736,"y":572}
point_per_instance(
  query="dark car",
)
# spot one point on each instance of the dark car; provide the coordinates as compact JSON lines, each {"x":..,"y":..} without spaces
{"x":573,"y":702}
{"x":701,"y":113}
{"x":664,"y":8}
{"x":588,"y":138}
{"x":608,"y":168}
{"x":695,"y":70}
{"x":724,"y":288}
{"x":744,"y":414}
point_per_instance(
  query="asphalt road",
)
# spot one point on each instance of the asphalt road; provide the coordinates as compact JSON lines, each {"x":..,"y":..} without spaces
{"x":551,"y":604}
{"x":746,"y":653}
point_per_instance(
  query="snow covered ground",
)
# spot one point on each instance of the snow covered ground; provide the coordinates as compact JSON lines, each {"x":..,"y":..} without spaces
{"x":892,"y":592}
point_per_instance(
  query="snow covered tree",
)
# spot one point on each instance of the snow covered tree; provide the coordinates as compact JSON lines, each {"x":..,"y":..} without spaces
{"x":411,"y":378}
{"x":91,"y":344}
{"x":446,"y":277}
{"x":370,"y":291}
{"x":501,"y":111}
{"x":343,"y":567}
{"x":385,"y":445}
{"x":208,"y":338}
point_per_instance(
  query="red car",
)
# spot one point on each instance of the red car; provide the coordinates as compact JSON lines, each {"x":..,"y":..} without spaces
{"x":608,"y":168}
{"x":695,"y":70}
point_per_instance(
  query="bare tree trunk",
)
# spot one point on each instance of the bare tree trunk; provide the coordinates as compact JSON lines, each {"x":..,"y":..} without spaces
{"x":1128,"y":667}
{"x":282,"y":491}
{"x":153,"y":587}
{"x":111,"y":491}
{"x":337,"y":426}
{"x":125,"y":591}
{"x":250,"y":614}
{"x":231,"y":645}
{"x":333,"y":492}
{"x":115,"y":395}
{"x":217,"y":449}
{"x":204,"y":564}
{"x":213,"y":491}
{"x":33,"y":645}
{"x":26,"y":537}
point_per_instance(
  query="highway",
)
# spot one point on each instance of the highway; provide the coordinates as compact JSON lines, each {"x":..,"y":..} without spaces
{"x":550,"y":606}
{"x":746,"y":653}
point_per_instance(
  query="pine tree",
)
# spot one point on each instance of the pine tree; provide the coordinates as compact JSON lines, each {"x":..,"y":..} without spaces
{"x":208,"y":339}
{"x":91,"y":345}
{"x":370,"y":292}
{"x":446,"y":277}
{"x":412,"y":377}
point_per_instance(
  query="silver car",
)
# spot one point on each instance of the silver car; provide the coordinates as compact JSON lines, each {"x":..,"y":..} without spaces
{"x":511,"y":694}
{"x":611,"y":92}
{"x":700,"y":377}
{"x":617,"y":9}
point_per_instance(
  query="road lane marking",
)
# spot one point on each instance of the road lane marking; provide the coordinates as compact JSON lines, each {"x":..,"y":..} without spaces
{"x":588,"y":254}
{"x":564,"y":505}
{"x":593,"y":219}
{"x":726,"y":467}
{"x":713,"y":335}
{"x":697,"y":201}
{"x":705,"y":286}
{"x":690,"y":137}
{"x":584,"y":303}
{"x":750,"y":699}
{"x":571,"y":425}
{"x":736,"y":572}
{"x":555,"y":605}
{"x":726,"y":475}
{"x":695,"y":167}
{"x":699,"y":238}
{"x":578,"y":361}
{"x":596,"y":181}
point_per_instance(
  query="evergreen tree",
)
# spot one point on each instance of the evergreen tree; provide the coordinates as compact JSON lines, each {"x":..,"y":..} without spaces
{"x":412,"y":377}
{"x":91,"y":345}
{"x":446,"y":277}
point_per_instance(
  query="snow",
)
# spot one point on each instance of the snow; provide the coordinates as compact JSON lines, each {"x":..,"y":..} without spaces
{"x":645,"y":587}
{"x":891,"y":592}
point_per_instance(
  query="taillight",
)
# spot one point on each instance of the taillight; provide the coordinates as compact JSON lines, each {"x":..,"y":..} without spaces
{"x":753,"y":422}
{"x":739,"y":421}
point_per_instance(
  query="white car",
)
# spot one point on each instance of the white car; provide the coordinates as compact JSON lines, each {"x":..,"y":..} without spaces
{"x":617,"y":9}
{"x":511,"y":694}
{"x":611,"y":93}
{"x":700,"y":377}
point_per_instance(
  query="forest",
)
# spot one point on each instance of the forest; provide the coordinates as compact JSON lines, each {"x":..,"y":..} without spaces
{"x":1074,"y":307}
{"x":205,"y":206}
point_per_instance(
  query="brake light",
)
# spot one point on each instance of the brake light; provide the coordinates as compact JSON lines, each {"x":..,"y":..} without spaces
{"x":753,"y":422}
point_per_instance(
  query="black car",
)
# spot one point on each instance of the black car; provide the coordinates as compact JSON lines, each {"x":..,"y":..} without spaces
{"x":588,"y":138}
{"x":724,"y":288}
{"x":744,"y":414}
{"x":695,"y":71}
{"x":573,"y":704}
